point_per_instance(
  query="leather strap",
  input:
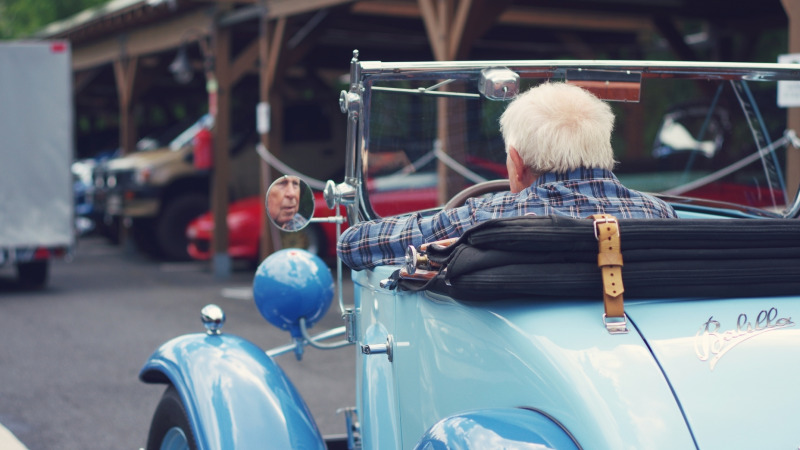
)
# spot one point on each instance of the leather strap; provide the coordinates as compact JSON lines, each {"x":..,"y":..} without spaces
{"x":609,"y":259}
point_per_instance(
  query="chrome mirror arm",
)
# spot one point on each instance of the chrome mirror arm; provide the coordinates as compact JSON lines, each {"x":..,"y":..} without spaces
{"x":336,"y":196}
{"x":314,"y":341}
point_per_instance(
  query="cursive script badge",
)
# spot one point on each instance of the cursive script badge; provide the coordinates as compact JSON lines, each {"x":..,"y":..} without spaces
{"x":711,"y":344}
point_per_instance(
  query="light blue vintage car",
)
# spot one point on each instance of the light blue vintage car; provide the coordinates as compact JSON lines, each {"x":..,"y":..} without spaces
{"x":518,"y":351}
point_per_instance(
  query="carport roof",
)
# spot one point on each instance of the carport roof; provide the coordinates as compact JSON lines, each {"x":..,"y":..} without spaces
{"x":117,"y":14}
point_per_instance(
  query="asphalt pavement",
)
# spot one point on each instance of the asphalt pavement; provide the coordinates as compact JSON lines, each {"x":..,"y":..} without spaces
{"x":71,"y":352}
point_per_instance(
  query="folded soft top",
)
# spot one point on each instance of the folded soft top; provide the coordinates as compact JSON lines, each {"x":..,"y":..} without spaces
{"x":549,"y":257}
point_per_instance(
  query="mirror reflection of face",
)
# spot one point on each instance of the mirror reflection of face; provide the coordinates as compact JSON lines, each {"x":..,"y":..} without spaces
{"x":283,"y":199}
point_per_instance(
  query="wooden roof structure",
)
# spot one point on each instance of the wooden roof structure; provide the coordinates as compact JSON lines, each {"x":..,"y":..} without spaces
{"x":122,"y":51}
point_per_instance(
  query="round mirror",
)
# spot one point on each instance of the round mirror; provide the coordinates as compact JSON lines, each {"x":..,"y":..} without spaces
{"x":290,"y":203}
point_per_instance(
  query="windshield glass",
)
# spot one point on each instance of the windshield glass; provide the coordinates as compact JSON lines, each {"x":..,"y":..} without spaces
{"x":696,"y":138}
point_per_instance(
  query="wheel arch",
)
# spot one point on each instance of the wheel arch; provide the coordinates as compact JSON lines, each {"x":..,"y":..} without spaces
{"x":235,"y":395}
{"x":503,"y":427}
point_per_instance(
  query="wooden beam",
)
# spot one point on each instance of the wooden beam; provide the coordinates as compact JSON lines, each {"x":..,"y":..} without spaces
{"x":83,"y":79}
{"x":433,"y":27}
{"x":245,"y":62}
{"x":569,"y":19}
{"x":473,"y":20}
{"x":574,"y":44}
{"x":523,"y":16}
{"x":273,"y":54}
{"x":144,"y":40}
{"x":287,"y":8}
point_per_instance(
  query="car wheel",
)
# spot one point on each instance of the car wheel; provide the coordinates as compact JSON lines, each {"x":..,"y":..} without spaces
{"x":171,"y":227}
{"x":143,"y":236}
{"x":33,"y":274}
{"x":310,"y":239}
{"x":109,"y":228}
{"x":170,"y":428}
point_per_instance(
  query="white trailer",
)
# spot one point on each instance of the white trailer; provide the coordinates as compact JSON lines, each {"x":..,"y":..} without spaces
{"x":36,"y":151}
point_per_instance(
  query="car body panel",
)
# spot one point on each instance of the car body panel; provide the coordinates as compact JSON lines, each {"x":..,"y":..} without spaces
{"x":585,"y":379}
{"x":732,"y":365}
{"x":245,"y":401}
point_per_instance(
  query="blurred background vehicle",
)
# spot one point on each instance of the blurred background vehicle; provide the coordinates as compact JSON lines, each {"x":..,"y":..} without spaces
{"x":152,"y":194}
{"x":37,"y":212}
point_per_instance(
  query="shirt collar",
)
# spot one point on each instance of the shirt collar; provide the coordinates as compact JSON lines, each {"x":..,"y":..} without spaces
{"x":580,"y":174}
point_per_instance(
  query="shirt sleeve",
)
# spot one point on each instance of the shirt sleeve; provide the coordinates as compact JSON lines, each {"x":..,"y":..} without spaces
{"x":384,"y":241}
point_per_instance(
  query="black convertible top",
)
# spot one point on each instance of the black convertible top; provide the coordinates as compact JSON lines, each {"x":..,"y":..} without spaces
{"x":550,"y":257}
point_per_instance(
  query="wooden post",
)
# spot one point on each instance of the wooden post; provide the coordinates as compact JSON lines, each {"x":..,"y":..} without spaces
{"x":792,"y":8}
{"x":219,"y":179}
{"x":452,"y":26}
{"x":125,"y":75}
{"x":269,"y":53}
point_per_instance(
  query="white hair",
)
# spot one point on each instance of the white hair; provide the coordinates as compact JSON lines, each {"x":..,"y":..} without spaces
{"x":558,"y":127}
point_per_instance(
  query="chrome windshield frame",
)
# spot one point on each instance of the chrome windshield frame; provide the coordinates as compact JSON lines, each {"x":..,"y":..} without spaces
{"x":364,"y":74}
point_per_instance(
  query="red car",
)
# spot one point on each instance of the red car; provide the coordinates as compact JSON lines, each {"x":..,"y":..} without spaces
{"x":245,"y":221}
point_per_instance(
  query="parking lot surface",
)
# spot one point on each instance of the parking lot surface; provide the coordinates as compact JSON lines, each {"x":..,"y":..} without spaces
{"x":71,"y":353}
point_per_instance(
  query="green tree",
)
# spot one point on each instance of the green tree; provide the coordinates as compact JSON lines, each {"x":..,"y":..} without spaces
{"x":23,"y":18}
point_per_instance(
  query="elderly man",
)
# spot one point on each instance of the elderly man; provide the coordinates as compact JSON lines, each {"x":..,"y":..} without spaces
{"x":283,"y":203}
{"x":559,"y":159}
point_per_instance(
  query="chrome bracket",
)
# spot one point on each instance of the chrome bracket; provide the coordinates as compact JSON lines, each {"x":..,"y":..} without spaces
{"x":616,"y":325}
{"x":353,"y":427}
{"x":349,"y":318}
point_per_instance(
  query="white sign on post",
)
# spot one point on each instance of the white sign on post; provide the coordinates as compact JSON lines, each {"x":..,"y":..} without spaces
{"x":789,"y":91}
{"x":262,"y":118}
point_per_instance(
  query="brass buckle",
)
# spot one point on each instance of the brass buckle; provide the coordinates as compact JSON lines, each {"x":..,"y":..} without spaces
{"x":602,"y":221}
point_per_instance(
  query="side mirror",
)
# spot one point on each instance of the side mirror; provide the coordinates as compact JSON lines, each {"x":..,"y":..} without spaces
{"x":290,"y":203}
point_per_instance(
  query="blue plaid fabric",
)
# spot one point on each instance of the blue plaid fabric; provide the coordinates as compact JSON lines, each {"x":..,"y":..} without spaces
{"x":578,"y":194}
{"x":297,"y":222}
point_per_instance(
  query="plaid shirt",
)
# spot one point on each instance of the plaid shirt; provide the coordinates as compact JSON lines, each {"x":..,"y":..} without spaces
{"x":297,"y":222}
{"x":579,"y":194}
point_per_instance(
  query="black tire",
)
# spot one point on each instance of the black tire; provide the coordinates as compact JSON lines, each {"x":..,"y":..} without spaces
{"x":110,"y":230}
{"x":171,"y":226}
{"x":33,"y":275}
{"x":143,"y":236}
{"x":170,"y":421}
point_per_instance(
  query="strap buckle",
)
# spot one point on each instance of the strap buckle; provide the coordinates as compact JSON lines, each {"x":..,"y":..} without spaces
{"x":602,"y":220}
{"x":616,"y":325}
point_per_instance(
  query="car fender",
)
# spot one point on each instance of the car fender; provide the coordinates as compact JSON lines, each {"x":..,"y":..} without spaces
{"x":497,"y":428}
{"x":235,"y":395}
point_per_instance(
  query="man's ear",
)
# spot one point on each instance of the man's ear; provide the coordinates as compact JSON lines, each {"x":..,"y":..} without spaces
{"x":520,"y":168}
